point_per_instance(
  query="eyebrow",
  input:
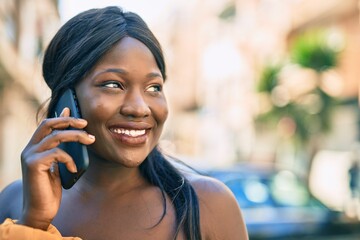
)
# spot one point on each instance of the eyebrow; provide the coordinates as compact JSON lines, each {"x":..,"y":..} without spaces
{"x":154,"y":75}
{"x":122,"y":71}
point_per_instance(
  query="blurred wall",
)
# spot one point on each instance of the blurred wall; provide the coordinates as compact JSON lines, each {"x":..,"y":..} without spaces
{"x":216,"y":55}
{"x":25,"y":29}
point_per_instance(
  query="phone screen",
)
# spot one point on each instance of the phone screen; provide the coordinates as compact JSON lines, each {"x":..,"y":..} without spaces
{"x":76,"y":150}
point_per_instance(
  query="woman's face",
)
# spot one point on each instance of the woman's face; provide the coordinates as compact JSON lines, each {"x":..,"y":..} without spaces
{"x":123,"y":101}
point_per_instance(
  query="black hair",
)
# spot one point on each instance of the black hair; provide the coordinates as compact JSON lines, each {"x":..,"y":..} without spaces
{"x":72,"y":54}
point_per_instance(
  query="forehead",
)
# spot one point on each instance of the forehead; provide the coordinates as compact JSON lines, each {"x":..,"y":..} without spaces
{"x":129,"y":51}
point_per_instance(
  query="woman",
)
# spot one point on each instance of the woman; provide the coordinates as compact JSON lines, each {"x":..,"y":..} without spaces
{"x":130,"y":191}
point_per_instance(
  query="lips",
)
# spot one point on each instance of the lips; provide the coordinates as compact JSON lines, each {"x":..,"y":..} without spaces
{"x":130,"y":133}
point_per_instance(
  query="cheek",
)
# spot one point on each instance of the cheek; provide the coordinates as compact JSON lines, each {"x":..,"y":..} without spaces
{"x":161,"y":112}
{"x":94,"y":110}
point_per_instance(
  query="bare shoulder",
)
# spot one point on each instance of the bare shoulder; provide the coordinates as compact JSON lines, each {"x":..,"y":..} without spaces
{"x":11,"y":201}
{"x":220,"y":214}
{"x":205,"y":185}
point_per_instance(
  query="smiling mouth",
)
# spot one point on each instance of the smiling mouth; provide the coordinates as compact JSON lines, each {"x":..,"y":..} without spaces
{"x":128,"y":132}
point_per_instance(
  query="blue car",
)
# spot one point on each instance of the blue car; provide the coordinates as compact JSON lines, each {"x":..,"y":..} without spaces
{"x":278,"y":205}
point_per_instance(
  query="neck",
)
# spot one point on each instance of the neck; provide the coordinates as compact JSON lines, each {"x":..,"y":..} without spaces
{"x":103,"y":175}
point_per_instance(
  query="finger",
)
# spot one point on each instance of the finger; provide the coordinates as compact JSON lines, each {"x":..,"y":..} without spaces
{"x":61,"y":156}
{"x":66,"y":122}
{"x":54,"y":172}
{"x":50,"y":124}
{"x":44,"y":161}
{"x":56,"y":137}
{"x":65,"y":112}
{"x":54,"y":168}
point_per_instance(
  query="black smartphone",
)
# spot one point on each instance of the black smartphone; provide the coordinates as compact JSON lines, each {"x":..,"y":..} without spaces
{"x":76,"y":150}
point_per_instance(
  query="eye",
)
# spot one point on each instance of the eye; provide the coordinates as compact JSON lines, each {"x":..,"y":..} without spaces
{"x":154,"y":88}
{"x":113,"y":85}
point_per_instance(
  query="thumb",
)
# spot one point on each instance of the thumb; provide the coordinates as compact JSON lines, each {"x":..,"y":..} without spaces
{"x":65,"y":112}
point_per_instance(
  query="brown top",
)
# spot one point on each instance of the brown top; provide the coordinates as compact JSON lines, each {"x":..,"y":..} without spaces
{"x":11,"y":231}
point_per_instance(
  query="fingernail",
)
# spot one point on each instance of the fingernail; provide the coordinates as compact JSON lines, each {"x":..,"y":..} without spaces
{"x":91,"y":136}
{"x":62,"y":112}
{"x":74,"y":169}
{"x":81,"y":120}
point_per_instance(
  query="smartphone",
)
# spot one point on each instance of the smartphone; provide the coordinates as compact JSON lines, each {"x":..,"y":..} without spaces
{"x":76,"y":150}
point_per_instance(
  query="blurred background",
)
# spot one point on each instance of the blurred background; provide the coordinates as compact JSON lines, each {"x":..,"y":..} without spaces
{"x":263,"y":95}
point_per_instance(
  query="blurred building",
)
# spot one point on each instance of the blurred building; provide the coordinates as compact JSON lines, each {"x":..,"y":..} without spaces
{"x":25,"y":28}
{"x":216,"y":55}
{"x":342,"y":17}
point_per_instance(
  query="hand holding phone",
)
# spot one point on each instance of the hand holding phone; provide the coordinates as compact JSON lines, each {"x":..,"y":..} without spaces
{"x":42,"y":187}
{"x":76,"y":150}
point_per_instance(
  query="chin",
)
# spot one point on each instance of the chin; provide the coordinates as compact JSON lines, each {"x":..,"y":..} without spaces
{"x":131,"y":158}
{"x":131,"y":163}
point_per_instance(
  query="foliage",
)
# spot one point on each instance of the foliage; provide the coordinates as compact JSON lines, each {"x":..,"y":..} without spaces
{"x":229,"y":12}
{"x":305,"y":118}
{"x":313,"y":50}
{"x":269,"y":78}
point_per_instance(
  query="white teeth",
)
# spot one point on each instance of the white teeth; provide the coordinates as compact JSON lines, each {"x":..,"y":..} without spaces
{"x":132,"y":133}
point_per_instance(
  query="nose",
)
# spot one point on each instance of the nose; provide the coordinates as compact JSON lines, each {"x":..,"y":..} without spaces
{"x":135,"y":106}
